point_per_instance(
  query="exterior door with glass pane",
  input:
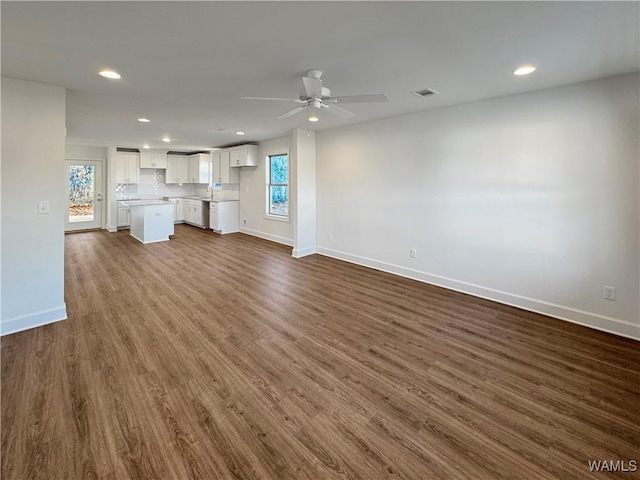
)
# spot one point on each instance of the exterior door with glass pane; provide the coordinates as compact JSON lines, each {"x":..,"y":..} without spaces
{"x":84,"y":195}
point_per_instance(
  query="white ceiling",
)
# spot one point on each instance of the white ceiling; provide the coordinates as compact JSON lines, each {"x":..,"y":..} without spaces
{"x":185,"y":65}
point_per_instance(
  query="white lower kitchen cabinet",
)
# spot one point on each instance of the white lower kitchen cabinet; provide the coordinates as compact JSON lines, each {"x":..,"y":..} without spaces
{"x":178,"y":208}
{"x":223,"y":216}
{"x":124,"y":216}
{"x":196,"y":213}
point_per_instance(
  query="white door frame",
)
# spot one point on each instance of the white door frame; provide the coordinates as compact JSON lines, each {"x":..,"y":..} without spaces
{"x":100,"y":200}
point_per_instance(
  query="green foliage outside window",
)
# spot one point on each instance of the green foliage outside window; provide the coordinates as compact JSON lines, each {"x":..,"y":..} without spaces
{"x":81,"y":184}
{"x":81,"y":193}
{"x":279,"y":185}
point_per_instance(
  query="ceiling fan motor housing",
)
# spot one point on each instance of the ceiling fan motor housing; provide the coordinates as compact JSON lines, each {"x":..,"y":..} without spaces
{"x":325,"y":92}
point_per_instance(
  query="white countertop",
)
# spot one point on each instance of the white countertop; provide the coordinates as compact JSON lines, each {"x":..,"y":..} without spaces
{"x":143,"y":203}
{"x":206,"y":199}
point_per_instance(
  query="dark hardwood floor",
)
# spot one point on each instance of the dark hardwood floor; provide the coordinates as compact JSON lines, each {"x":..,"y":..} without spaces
{"x":224,"y":358}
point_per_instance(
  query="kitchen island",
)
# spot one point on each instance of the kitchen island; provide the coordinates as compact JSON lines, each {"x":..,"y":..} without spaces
{"x":151,"y":220}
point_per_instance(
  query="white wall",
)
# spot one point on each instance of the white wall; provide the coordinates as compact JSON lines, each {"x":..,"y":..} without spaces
{"x":531,"y":200}
{"x":85,"y":152}
{"x":33,"y":131}
{"x":253,"y":199}
{"x":303,"y":192}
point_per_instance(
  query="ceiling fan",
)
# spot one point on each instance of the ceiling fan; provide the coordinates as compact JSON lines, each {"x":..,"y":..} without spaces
{"x":314,"y":95}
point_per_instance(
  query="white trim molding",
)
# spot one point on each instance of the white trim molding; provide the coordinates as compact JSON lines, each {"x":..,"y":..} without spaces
{"x":267,"y":236}
{"x":581,"y":317}
{"x":303,"y":252}
{"x":33,"y":320}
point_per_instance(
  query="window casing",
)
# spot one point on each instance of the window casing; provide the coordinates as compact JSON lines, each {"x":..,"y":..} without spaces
{"x":278,"y":186}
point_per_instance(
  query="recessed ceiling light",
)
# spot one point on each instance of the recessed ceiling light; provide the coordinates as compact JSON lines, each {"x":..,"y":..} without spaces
{"x":239,"y":133}
{"x":109,"y":74}
{"x":145,"y":146}
{"x":313,"y":118}
{"x":144,"y":120}
{"x":524,"y":70}
{"x":166,"y":139}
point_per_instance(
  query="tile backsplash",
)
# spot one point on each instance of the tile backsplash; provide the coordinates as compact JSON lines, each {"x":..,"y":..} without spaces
{"x":152,"y":186}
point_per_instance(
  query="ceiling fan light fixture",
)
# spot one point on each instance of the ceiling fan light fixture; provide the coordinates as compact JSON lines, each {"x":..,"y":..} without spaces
{"x":524,"y":70}
{"x":313,"y":118}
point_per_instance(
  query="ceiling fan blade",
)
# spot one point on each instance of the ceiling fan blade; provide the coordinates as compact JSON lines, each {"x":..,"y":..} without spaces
{"x":339,"y":111}
{"x":297,"y":100}
{"x":313,"y":86}
{"x":374,"y":98}
{"x":291,"y":113}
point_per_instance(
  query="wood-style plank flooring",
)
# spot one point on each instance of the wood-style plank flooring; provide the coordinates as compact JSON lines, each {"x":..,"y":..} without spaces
{"x":210,"y":357}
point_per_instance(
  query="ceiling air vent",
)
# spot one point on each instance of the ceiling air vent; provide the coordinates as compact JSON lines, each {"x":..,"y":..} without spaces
{"x":427,"y":92}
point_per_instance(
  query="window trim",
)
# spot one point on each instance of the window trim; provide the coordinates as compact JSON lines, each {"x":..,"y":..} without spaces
{"x":268,"y":184}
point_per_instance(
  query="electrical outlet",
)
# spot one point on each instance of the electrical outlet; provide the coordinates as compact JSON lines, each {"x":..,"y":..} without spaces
{"x":244,"y":221}
{"x":330,"y":237}
{"x":609,"y":293}
{"x":413,"y":253}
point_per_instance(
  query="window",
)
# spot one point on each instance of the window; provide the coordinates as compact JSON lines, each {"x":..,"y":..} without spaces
{"x":81,"y":193}
{"x":278,"y":185}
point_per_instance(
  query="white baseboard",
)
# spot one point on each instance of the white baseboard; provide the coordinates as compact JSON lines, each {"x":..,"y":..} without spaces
{"x":303,"y":252}
{"x":32,"y":320}
{"x":267,"y":236}
{"x":111,"y":229}
{"x":581,"y":317}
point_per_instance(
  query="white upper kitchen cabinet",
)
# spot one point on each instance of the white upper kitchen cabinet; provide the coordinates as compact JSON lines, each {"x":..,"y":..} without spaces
{"x":153,"y":160}
{"x":199,"y":165}
{"x":243,"y":156}
{"x":127,"y":167}
{"x":221,"y":171}
{"x":177,"y":169}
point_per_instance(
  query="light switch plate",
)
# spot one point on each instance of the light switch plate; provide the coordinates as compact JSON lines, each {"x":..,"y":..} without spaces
{"x":43,"y":207}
